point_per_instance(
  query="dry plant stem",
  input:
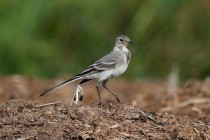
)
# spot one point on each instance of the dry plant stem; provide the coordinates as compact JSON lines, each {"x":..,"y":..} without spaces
{"x":58,"y":102}
{"x":185,"y":103}
{"x":26,"y":138}
{"x":83,"y":132}
{"x":129,"y":135}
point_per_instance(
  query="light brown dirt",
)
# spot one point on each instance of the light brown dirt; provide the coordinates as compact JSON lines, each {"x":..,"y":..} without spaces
{"x":26,"y":120}
{"x":187,"y":117}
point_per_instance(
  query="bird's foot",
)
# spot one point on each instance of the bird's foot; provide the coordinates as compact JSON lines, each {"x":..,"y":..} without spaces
{"x":99,"y":103}
{"x":117,"y":98}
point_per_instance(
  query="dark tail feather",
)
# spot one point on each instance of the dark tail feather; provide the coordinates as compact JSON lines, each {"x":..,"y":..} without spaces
{"x":60,"y":85}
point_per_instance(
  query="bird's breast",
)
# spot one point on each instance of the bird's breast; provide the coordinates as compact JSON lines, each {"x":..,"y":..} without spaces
{"x":121,"y":69}
{"x":113,"y":72}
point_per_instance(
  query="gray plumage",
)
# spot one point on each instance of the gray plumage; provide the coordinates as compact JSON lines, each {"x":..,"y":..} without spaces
{"x":107,"y":67}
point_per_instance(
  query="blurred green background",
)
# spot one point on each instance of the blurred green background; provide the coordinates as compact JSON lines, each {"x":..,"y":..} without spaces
{"x":51,"y":38}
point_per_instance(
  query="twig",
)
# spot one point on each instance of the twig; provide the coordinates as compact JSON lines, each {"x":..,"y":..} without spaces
{"x":185,"y":103}
{"x":26,"y":138}
{"x":147,"y":117}
{"x":58,"y":102}
{"x":76,"y":97}
{"x":83,"y":132}
{"x":130,"y":135}
{"x":115,"y":126}
{"x":197,"y":132}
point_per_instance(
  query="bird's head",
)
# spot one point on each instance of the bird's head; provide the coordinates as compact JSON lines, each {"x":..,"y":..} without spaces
{"x":123,"y":41}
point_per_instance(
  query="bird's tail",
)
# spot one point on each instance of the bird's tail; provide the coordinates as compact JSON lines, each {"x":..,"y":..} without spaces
{"x":60,"y":85}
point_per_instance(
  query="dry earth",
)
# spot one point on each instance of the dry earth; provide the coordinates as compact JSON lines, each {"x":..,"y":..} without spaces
{"x":149,"y":111}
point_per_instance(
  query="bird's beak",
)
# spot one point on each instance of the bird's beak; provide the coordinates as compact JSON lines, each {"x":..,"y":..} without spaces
{"x":130,"y":43}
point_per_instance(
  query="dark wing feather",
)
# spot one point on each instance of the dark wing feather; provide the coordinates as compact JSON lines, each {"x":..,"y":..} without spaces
{"x":98,"y":67}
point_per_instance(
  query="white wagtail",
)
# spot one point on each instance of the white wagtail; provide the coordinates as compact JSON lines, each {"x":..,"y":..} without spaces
{"x":111,"y":65}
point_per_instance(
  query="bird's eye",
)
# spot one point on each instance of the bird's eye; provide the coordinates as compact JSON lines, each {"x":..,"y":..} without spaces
{"x":121,"y":39}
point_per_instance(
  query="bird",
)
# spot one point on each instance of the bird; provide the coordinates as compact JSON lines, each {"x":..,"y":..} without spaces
{"x":109,"y":66}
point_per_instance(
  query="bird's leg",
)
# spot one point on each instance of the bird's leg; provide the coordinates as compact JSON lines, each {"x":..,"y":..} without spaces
{"x":98,"y":90}
{"x":104,"y":85}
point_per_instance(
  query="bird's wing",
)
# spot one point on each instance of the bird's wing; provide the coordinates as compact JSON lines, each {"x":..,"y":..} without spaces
{"x":107,"y":62}
{"x":104,"y":65}
{"x":98,"y":67}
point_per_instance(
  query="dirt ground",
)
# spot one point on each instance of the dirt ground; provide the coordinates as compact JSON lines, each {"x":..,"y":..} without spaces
{"x":150,"y":110}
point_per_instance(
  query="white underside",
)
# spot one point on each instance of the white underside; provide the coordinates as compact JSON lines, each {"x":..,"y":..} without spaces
{"x":109,"y":73}
{"x":113,"y":72}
